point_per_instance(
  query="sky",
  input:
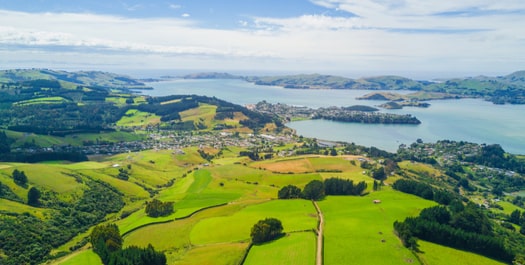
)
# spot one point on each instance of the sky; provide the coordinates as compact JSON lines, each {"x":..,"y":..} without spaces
{"x":413,"y":38}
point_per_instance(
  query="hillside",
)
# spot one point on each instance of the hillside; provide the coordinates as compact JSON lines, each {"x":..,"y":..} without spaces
{"x":226,"y":188}
{"x":499,"y":90}
{"x":187,"y":177}
{"x":41,"y":116}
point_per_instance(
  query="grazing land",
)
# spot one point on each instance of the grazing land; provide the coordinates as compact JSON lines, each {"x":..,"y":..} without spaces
{"x":108,"y":155}
{"x":294,"y":248}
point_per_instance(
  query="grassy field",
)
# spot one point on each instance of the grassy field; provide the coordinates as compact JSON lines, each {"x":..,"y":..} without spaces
{"x":220,"y":254}
{"x":135,"y":117}
{"x":16,"y":207}
{"x":204,"y":114}
{"x":295,"y":248}
{"x":86,"y":257}
{"x":434,"y":254}
{"x":45,"y":100}
{"x":296,"y":215}
{"x":358,"y":231}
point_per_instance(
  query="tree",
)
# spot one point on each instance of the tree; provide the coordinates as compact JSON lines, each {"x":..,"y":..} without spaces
{"x":379,"y":173}
{"x":156,"y":208}
{"x":314,"y":190}
{"x":106,"y":236}
{"x":4,"y":143}
{"x":266,"y":230}
{"x":19,"y":177}
{"x":515,"y":217}
{"x":289,"y":192}
{"x":33,"y":197}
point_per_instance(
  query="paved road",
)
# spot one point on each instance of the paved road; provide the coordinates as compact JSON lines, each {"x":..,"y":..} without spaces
{"x":319,"y":256}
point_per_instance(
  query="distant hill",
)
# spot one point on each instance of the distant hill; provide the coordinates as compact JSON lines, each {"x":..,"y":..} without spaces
{"x":499,"y":90}
{"x":211,"y":75}
{"x":95,"y":79}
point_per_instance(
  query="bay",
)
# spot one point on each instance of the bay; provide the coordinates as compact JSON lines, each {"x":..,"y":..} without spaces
{"x":471,"y":120}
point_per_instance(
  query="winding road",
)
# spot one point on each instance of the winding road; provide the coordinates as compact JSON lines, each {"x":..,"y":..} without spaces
{"x":319,"y":255}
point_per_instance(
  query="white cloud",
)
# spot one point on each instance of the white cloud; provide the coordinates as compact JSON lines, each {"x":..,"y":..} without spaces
{"x":185,"y":15}
{"x":384,"y":36}
{"x":175,"y":6}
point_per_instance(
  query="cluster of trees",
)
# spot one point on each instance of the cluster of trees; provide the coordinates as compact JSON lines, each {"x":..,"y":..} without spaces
{"x":25,"y":239}
{"x":366,"y":117}
{"x":62,"y":118}
{"x":33,"y":197}
{"x":266,"y":230}
{"x":466,"y":229}
{"x":5,"y":143}
{"x":123,"y":174}
{"x":425,"y":191}
{"x":518,"y":218}
{"x":43,"y":156}
{"x":156,"y":208}
{"x":316,"y":189}
{"x":107,"y":243}
{"x":170,"y":111}
{"x":19,"y":177}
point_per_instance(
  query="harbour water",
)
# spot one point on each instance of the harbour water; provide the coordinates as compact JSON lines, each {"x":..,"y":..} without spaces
{"x":472,"y":120}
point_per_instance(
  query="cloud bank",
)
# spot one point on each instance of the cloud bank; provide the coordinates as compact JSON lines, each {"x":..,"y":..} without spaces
{"x":380,"y":36}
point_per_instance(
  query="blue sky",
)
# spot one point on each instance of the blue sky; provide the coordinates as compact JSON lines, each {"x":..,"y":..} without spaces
{"x":345,"y":37}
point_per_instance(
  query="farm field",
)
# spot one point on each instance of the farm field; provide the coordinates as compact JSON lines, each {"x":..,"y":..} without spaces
{"x":294,"y":248}
{"x":217,"y":204}
{"x":440,"y":255}
{"x":369,"y":226}
{"x":86,"y":257}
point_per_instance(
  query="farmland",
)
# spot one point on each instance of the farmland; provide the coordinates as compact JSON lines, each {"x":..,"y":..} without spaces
{"x":216,"y":206}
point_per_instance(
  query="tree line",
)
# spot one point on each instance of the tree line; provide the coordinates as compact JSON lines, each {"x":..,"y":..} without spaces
{"x":316,"y":189}
{"x":467,"y":229}
{"x":107,"y":243}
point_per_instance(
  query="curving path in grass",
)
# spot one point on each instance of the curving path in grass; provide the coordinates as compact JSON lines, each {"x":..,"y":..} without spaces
{"x":319,"y":254}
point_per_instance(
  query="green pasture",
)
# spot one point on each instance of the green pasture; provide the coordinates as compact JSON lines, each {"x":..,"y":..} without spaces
{"x":16,"y":207}
{"x":48,"y":177}
{"x":139,"y":218}
{"x":294,"y":248}
{"x":508,"y":208}
{"x":5,"y":178}
{"x":419,"y":167}
{"x":288,"y":165}
{"x":175,"y":234}
{"x":205,"y":114}
{"x":357,"y":231}
{"x":129,"y":189}
{"x":296,"y":215}
{"x":134,"y":117}
{"x":45,"y":100}
{"x":190,"y":194}
{"x":113,"y":137}
{"x":332,"y":163}
{"x":85,"y":257}
{"x":73,"y":139}
{"x":199,"y":194}
{"x":77,"y":166}
{"x":243,"y":173}
{"x":40,"y":140}
{"x":435,"y":254}
{"x":220,"y":254}
{"x":190,"y":157}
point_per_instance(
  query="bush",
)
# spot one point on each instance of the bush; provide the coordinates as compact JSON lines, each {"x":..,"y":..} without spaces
{"x":266,"y":230}
{"x":289,"y":192}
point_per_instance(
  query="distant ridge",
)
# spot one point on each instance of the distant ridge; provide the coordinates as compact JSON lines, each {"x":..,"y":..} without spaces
{"x":96,"y":79}
{"x":499,"y":90}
